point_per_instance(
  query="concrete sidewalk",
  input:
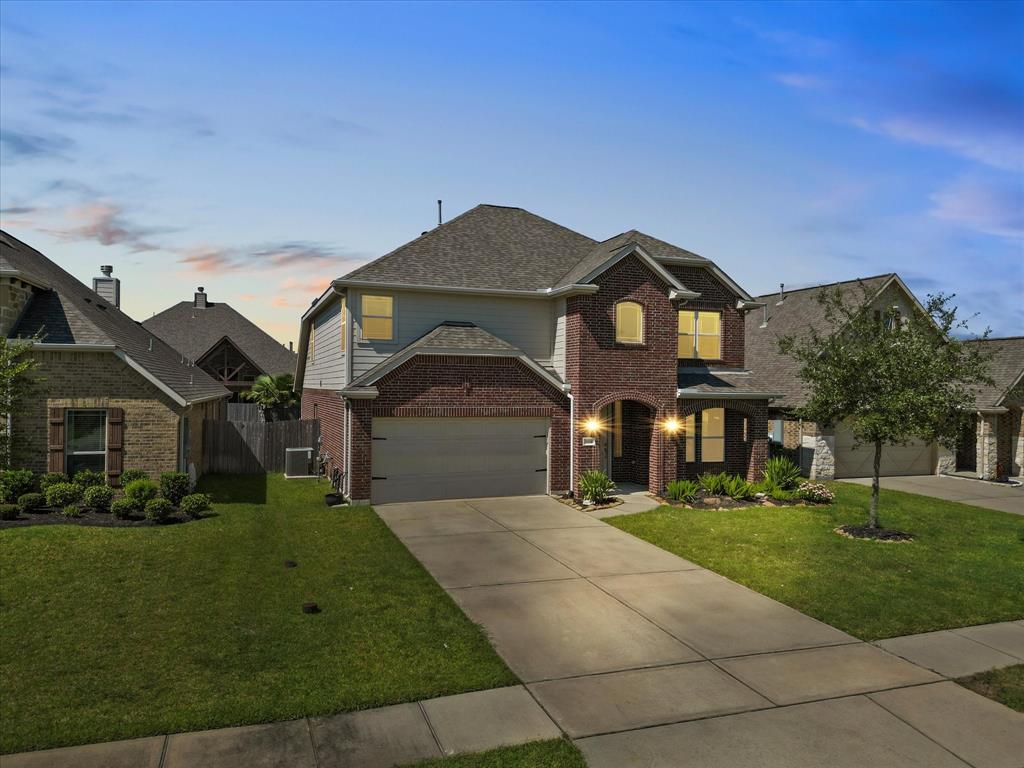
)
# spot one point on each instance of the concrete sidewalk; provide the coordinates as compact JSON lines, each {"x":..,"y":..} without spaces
{"x":375,"y":738}
{"x":647,"y":659}
{"x":962,"y":652}
{"x":1001,"y":497}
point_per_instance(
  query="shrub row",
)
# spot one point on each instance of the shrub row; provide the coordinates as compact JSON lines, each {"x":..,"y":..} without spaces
{"x":781,"y":482}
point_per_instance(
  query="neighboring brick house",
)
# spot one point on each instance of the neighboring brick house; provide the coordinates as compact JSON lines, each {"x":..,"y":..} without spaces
{"x":111,"y":396}
{"x":502,"y":354}
{"x":829,"y":451}
{"x":218,"y":339}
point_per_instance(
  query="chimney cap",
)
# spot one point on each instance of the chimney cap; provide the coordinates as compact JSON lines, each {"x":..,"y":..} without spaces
{"x":200,"y":289}
{"x":107,"y":270}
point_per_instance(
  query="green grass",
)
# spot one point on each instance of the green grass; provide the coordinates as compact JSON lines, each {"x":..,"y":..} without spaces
{"x":966,"y":566}
{"x":556,"y":753}
{"x":1004,"y":685}
{"x":111,"y":633}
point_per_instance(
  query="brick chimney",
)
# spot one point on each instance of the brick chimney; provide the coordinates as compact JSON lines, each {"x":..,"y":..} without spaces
{"x":108,"y":287}
{"x":199,"y":300}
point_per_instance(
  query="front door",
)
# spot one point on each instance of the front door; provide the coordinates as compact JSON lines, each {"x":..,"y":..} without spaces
{"x":967,"y":447}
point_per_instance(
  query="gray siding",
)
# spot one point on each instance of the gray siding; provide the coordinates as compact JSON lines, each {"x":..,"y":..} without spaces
{"x":327,"y":368}
{"x":526,"y":323}
{"x":558,"y":354}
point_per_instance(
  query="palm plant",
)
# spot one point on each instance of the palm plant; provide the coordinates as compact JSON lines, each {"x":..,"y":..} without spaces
{"x":272,"y":391}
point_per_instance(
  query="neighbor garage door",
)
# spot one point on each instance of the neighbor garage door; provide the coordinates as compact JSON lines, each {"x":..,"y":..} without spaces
{"x":915,"y":458}
{"x":457,"y":458}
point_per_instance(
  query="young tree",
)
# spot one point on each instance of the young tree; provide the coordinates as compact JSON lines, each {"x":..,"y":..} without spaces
{"x":272,"y":391}
{"x":16,"y":383}
{"x":891,"y":379}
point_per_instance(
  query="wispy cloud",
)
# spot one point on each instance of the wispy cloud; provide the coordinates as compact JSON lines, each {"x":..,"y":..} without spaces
{"x":262,"y":256}
{"x":803,"y":81}
{"x":107,"y":224}
{"x":994,"y":207}
{"x":21,"y":145}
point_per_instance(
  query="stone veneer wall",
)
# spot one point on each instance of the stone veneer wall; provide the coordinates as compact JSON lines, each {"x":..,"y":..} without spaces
{"x":99,"y":380}
{"x":14,"y":295}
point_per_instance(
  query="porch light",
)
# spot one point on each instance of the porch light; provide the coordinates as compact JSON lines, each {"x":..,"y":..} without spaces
{"x":671,"y":425}
{"x":592,"y":426}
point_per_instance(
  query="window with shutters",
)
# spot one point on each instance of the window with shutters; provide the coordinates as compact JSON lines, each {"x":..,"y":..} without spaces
{"x":86,"y":445}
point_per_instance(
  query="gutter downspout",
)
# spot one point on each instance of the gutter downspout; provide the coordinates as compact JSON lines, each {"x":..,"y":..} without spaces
{"x":572,"y":440}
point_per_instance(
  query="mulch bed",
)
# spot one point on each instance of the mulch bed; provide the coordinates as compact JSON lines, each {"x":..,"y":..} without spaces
{"x":725,"y":502}
{"x":606,"y":504}
{"x":886,"y":535}
{"x":101,"y":519}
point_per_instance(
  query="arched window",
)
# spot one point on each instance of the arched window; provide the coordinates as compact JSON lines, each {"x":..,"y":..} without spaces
{"x":629,"y":323}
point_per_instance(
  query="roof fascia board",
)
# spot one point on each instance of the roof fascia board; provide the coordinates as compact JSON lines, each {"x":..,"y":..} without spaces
{"x":150,"y":377}
{"x":361,"y":393}
{"x":1009,"y":389}
{"x":689,"y":394}
{"x":903,"y":287}
{"x":540,"y":293}
{"x":25,"y":277}
{"x":45,"y":347}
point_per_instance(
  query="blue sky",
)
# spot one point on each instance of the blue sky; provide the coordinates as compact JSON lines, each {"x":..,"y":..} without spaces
{"x":261,"y":149}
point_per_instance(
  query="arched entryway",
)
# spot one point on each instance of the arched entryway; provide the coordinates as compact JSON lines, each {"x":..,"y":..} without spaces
{"x":625,"y":441}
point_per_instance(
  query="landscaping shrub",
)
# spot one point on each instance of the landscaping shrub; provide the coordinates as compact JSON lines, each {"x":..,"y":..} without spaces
{"x":682,"y":490}
{"x":52,"y":478}
{"x":595,"y":485}
{"x":30,"y":502}
{"x":141,"y":492}
{"x":713,"y":484}
{"x":9,"y":511}
{"x":14,"y":483}
{"x":195,"y":504}
{"x":816,"y":492}
{"x":131,"y":475}
{"x":63,"y":494}
{"x":99,"y":497}
{"x":779,"y":494}
{"x":174,"y":486}
{"x":87,"y":478}
{"x":122,"y":509}
{"x":72,"y":510}
{"x":158,"y":509}
{"x":781,"y":473}
{"x":736,"y":487}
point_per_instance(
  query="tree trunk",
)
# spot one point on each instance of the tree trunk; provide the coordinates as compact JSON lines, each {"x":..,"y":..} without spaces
{"x":873,"y":514}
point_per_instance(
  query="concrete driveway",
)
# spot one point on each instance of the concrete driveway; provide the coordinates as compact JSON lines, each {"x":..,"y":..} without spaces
{"x":999,"y":496}
{"x":644,"y":658}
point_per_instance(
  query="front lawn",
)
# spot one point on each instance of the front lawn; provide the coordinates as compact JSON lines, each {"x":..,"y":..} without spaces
{"x":965,"y":567}
{"x":557,"y":753}
{"x":111,"y":633}
{"x":1004,"y":685}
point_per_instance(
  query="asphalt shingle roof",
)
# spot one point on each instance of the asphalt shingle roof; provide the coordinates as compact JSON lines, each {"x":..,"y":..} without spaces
{"x":488,"y":246}
{"x":71,"y":313}
{"x":601,"y":252}
{"x":1005,"y":368}
{"x":724,"y":383}
{"x":447,"y":336}
{"x":194,"y":331}
{"x":798,"y":313}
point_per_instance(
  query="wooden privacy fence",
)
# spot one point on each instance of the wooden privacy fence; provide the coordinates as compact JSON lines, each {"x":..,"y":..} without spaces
{"x":254,"y":447}
{"x":256,"y":412}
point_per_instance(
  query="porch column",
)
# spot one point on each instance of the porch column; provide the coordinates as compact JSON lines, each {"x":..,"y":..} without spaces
{"x":662,"y":468}
{"x":987,"y":447}
{"x":362,"y":447}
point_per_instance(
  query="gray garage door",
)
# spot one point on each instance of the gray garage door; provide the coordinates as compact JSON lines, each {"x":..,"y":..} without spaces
{"x":457,"y":458}
{"x":915,"y":458}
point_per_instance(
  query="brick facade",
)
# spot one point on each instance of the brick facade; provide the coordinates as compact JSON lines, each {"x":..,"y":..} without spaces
{"x":645,"y":376}
{"x":327,"y":406}
{"x":71,"y":379}
{"x":715,"y":296}
{"x":454,"y":386}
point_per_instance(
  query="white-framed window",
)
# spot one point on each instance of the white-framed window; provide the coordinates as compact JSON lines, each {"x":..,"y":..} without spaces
{"x":712,"y":435}
{"x":86,"y":442}
{"x":343,"y":323}
{"x":700,"y":335}
{"x":378,"y":318}
{"x":629,"y":323}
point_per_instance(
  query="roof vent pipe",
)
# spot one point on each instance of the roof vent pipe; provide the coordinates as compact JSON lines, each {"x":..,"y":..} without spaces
{"x":764,"y":323}
{"x":782,"y":293}
{"x":439,"y":213}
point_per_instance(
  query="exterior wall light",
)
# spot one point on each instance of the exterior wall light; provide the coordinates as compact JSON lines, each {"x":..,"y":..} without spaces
{"x":671,"y":425}
{"x":592,"y":426}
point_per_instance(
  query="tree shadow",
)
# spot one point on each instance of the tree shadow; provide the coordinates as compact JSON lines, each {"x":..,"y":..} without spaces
{"x":235,"y":489}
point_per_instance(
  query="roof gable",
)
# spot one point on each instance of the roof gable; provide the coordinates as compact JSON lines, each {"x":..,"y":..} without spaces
{"x":69,"y":312}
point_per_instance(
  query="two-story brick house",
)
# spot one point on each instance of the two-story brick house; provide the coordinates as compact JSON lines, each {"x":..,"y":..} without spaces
{"x":502,"y":354}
